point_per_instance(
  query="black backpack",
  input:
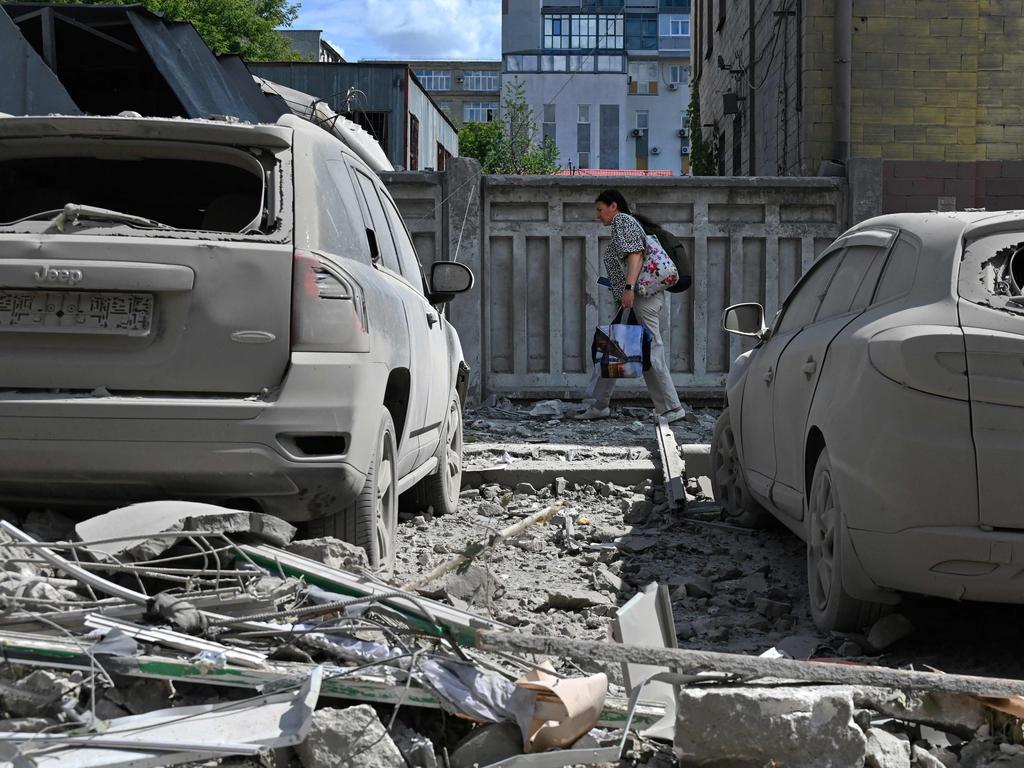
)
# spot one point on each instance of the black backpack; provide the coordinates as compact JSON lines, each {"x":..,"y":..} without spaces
{"x":676,"y":251}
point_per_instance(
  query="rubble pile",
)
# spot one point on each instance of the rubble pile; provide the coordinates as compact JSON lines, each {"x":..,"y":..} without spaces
{"x":545,"y":623}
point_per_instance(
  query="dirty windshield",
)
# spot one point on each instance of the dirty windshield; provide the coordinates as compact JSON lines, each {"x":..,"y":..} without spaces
{"x":180,"y":193}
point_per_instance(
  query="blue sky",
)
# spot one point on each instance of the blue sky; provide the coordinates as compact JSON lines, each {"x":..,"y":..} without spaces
{"x":407,"y":29}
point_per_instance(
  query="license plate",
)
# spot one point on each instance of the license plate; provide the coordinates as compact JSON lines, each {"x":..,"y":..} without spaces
{"x":116,"y":314}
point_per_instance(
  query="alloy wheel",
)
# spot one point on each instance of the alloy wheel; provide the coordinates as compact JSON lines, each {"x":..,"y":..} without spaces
{"x":821,"y":541}
{"x":387,"y":501}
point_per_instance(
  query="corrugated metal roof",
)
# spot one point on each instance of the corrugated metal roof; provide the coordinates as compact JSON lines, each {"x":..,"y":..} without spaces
{"x":28,"y":86}
{"x":192,"y":71}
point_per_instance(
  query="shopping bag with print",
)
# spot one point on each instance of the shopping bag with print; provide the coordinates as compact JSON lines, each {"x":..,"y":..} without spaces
{"x":622,"y":349}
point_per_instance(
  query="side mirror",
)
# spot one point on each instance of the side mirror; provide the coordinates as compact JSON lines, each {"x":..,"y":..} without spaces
{"x":448,"y":279}
{"x":745,"y":320}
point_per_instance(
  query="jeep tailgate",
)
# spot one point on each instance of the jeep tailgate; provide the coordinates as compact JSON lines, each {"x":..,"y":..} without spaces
{"x":143,"y":314}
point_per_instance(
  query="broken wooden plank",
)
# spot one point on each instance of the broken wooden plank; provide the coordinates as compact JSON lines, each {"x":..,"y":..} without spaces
{"x":750,"y":667}
{"x":672,"y":465}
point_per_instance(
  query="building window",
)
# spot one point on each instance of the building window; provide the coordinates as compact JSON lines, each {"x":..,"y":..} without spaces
{"x":520,"y":63}
{"x":642,"y":33}
{"x":479,"y":111}
{"x":642,"y":119}
{"x":564,"y":31}
{"x":549,"y":122}
{"x":435,"y":79}
{"x":583,"y":113}
{"x":480,"y":80}
{"x":554,"y":64}
{"x":581,"y":63}
{"x":643,"y":77}
{"x":682,"y":5}
{"x":678,"y":75}
{"x":609,"y":64}
{"x":674,"y":32}
{"x":374,"y":123}
{"x":414,"y":143}
{"x":443,"y":156}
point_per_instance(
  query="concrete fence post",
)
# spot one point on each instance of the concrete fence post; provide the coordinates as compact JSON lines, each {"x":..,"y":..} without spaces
{"x":462,"y":191}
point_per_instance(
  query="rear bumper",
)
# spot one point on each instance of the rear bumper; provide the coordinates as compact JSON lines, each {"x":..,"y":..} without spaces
{"x":962,"y":563}
{"x":115,"y":450}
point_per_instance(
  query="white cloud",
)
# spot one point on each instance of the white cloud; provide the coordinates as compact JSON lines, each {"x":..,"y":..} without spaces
{"x":409,"y":29}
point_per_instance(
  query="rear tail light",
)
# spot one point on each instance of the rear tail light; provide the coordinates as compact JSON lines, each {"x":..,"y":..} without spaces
{"x":328,"y":308}
{"x":928,"y":358}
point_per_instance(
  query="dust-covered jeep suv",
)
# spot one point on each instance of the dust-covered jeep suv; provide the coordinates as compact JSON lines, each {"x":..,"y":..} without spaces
{"x":231,"y":313}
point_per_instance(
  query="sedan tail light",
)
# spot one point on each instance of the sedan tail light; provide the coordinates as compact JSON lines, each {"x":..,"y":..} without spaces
{"x":328,"y":308}
{"x":928,"y":358}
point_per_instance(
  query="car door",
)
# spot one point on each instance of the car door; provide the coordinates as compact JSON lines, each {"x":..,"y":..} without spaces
{"x":756,"y":434}
{"x":801,"y":362}
{"x":412,"y":326}
{"x":439,"y":365}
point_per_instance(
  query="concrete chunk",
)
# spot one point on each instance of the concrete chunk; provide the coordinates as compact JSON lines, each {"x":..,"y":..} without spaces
{"x":809,"y":727}
{"x":353,"y":737}
{"x":332,"y":552}
{"x":886,"y":750}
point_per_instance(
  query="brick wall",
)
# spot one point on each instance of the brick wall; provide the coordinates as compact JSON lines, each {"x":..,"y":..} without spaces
{"x":917,"y":185}
{"x":777,"y":114}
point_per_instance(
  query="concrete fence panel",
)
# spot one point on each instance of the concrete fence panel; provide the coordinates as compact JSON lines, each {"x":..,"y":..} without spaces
{"x":537,"y":249}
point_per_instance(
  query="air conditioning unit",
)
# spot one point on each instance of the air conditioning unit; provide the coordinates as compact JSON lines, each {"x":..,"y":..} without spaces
{"x":684,"y":134}
{"x":637,"y":132}
{"x":673,"y":86}
{"x":655,"y":150}
{"x":685,"y":150}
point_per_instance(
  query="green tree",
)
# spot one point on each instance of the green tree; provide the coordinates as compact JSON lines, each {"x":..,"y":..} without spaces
{"x":518,"y":151}
{"x":481,"y":140}
{"x":244,"y":27}
{"x":703,"y":156}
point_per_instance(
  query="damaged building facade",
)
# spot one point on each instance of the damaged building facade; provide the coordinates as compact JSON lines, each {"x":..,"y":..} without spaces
{"x":919,"y":100}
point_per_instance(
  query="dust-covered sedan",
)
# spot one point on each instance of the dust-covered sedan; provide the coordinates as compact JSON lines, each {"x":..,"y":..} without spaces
{"x":881,"y":416}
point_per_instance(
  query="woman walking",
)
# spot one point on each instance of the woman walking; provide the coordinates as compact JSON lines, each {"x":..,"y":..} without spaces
{"x":623,"y":260}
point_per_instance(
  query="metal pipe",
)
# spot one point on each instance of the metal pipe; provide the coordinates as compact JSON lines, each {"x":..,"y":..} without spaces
{"x":751,"y":91}
{"x":842,"y":79}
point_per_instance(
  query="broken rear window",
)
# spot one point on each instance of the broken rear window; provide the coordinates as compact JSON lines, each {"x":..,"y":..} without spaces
{"x":207,"y":188}
{"x":992,"y":271}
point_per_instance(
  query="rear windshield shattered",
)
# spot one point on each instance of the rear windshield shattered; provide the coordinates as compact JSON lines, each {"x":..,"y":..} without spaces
{"x":992,"y":271}
{"x":181,"y":193}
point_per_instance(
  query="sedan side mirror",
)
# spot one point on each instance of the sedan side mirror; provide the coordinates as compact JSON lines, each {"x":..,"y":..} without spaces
{"x":448,"y":279}
{"x":745,"y":320}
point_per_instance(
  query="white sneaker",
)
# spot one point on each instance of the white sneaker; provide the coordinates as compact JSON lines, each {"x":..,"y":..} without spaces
{"x":679,"y":414}
{"x":593,"y":413}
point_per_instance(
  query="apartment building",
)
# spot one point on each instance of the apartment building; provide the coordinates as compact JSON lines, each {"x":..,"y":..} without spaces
{"x":608,"y":80}
{"x":467,"y":91}
{"x":917,"y":102}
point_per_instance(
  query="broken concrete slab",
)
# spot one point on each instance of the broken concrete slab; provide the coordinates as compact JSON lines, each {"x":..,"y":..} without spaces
{"x":332,"y":552}
{"x":575,"y":599}
{"x":886,"y":750}
{"x":352,"y":737}
{"x":473,"y":586}
{"x":808,"y":727}
{"x":138,"y":523}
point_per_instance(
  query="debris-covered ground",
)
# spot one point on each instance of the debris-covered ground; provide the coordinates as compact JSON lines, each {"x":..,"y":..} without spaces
{"x":174,"y":633}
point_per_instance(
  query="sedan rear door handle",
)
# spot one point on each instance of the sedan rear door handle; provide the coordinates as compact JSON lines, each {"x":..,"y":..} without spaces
{"x":431,"y":319}
{"x":810,"y":367}
{"x":769,"y":376}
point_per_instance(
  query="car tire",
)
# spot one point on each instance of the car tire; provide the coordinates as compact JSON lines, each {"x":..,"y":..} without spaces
{"x":831,"y":607}
{"x":372,"y":520}
{"x":731,"y":491}
{"x":441,"y":490}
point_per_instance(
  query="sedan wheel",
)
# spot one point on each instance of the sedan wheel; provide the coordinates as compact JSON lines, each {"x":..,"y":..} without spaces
{"x":831,"y":607}
{"x":738,"y":506}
